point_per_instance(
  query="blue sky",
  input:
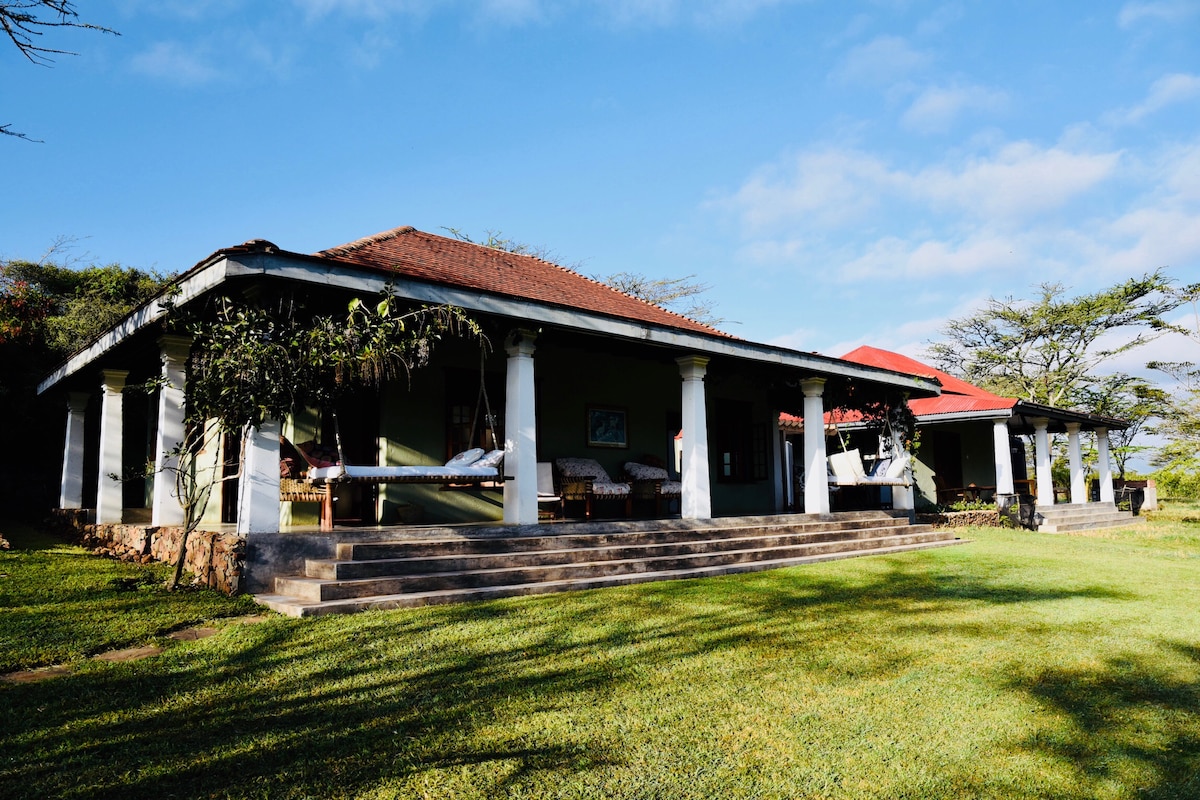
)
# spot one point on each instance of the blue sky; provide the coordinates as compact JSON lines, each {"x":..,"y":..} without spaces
{"x":839,"y":173}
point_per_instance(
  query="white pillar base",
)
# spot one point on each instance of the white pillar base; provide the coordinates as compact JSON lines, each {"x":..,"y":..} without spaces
{"x":110,"y":487}
{"x":696,"y":500}
{"x":816,"y":470}
{"x":1075,"y":457}
{"x":520,"y":432}
{"x":165,"y":506}
{"x":1041,"y":455}
{"x":258,"y":484}
{"x":71,"y":489}
{"x":1003,"y":458}
{"x":1104,"y":467}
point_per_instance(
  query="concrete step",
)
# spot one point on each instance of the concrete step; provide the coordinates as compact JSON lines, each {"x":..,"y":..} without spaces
{"x":553,"y":568}
{"x":1082,"y":517}
{"x":1091,"y":524}
{"x":364,"y":561}
{"x":434,"y":545}
{"x":298,"y":607}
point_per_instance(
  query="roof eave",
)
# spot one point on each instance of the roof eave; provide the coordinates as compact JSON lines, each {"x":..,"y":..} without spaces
{"x":243,"y":261}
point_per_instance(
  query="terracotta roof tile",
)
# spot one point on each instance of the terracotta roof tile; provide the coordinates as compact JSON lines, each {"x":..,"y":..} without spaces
{"x":438,"y":259}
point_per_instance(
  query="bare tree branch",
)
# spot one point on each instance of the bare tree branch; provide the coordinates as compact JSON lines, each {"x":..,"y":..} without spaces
{"x":23,"y":20}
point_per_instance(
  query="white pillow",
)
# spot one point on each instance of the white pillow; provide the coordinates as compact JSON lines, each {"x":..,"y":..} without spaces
{"x":491,"y":460}
{"x":466,"y":458}
{"x":897,"y":467}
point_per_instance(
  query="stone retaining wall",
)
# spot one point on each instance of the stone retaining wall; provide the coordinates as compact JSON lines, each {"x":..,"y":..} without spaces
{"x":961,"y":519}
{"x":215,"y":560}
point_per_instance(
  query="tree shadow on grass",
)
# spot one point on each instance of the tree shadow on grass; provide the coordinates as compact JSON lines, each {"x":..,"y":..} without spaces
{"x":1132,"y":721}
{"x":343,"y":706}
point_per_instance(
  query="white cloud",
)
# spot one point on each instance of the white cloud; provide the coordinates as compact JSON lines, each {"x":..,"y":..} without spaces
{"x":895,"y":258}
{"x":1168,"y":90}
{"x":512,"y":12}
{"x":831,"y":187}
{"x":827,"y":186}
{"x":937,"y":108}
{"x":1019,"y":181}
{"x":1163,"y":11}
{"x":881,"y":62}
{"x":376,"y":10}
{"x":1021,"y":211}
{"x":178,"y":63}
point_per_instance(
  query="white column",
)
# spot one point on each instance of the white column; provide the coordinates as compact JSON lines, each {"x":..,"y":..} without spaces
{"x":258,"y":483}
{"x":71,"y":490}
{"x":1104,"y":467}
{"x":1041,"y":455}
{"x":1075,"y":457}
{"x":696,"y":502}
{"x":816,"y":482}
{"x":903,"y":497}
{"x":520,"y":431}
{"x":109,"y":490}
{"x":165,"y":506}
{"x":1003,"y":455}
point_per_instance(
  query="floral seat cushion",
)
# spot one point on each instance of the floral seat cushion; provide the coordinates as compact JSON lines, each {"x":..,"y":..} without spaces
{"x":645,"y":472}
{"x":578,"y":469}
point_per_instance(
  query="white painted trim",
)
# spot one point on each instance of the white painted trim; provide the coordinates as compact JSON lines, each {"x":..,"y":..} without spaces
{"x":191,"y":286}
{"x":304,"y":269}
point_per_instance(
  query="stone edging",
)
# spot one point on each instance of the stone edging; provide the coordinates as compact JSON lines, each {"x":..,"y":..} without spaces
{"x":217,"y":560}
{"x":961,"y":519}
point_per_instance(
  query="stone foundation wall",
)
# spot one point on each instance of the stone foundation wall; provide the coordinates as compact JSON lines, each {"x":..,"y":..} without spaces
{"x":961,"y":519}
{"x":215,"y":560}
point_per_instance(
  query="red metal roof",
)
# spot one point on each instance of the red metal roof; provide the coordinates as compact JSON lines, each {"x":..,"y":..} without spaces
{"x":439,"y":259}
{"x":957,"y":395}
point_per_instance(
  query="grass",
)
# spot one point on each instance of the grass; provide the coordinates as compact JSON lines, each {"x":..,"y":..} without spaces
{"x":1019,"y":666}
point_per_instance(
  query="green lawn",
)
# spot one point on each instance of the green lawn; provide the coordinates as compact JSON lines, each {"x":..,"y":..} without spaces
{"x":1019,"y":666}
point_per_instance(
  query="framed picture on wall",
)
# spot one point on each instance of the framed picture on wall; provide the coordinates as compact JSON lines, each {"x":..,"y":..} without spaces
{"x":606,"y":427}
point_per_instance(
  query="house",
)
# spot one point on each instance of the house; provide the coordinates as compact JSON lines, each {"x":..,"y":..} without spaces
{"x":566,"y":349}
{"x":973,"y":442}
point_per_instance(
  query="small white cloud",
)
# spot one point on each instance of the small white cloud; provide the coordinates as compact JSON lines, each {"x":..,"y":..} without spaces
{"x":937,"y":108}
{"x":882,"y":61}
{"x":376,"y":10}
{"x":1168,"y":90}
{"x":898,"y":259}
{"x":512,"y":12}
{"x":173,"y":61}
{"x":1162,"y":11}
{"x":798,"y":339}
{"x":828,"y":186}
{"x":1020,"y":181}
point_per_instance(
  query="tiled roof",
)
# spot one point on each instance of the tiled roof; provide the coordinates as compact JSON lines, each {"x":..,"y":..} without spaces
{"x":439,"y":259}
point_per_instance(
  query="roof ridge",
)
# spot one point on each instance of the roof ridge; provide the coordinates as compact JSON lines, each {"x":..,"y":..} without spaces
{"x":623,"y":293}
{"x":429,"y":250}
{"x":374,"y":238}
{"x":556,"y":265}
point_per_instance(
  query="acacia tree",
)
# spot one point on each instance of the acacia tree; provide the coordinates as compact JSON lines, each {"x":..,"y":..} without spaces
{"x":681,"y":295}
{"x":1133,"y":399}
{"x":1179,"y":457}
{"x":23,"y":21}
{"x":1046,"y":350}
{"x":252,"y":362}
